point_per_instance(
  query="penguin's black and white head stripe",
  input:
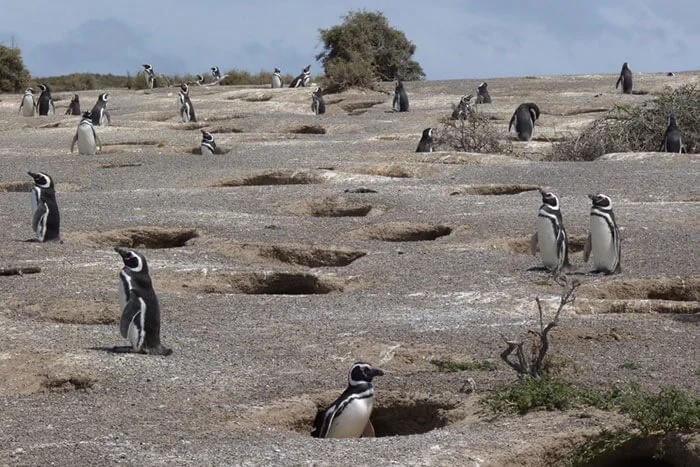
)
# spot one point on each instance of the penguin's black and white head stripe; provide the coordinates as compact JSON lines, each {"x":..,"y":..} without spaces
{"x":277,"y":70}
{"x":362,"y":373}
{"x":482,"y":86}
{"x":148,"y":68}
{"x":103,"y":97}
{"x":601,"y":201}
{"x":184,"y":88}
{"x":41,"y":180}
{"x":307,"y":68}
{"x":200,"y":79}
{"x":550,"y":199}
{"x":215,"y":72}
{"x":29,"y":91}
{"x":43,"y":87}
{"x":87,"y":116}
{"x":132,"y":260}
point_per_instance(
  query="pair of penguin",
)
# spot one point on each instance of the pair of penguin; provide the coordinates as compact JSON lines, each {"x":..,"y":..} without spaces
{"x":400,"y":103}
{"x":186,"y":108}
{"x":603,"y":241}
{"x":523,"y":120}
{"x":625,"y":79}
{"x":318,"y":105}
{"x":463,"y":108}
{"x":303,"y":80}
{"x":44,"y":104}
{"x":349,"y":415}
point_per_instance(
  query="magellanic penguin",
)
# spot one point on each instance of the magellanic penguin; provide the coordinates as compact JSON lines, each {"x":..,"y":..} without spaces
{"x":604,"y":237}
{"x":74,"y":106}
{"x":27,"y":106}
{"x":303,"y":79}
{"x":140,"y":321}
{"x":208,"y":145}
{"x":45,"y":101}
{"x":150,"y":75}
{"x":400,"y":103}
{"x":483,"y":96}
{"x":673,"y":141}
{"x":216,"y":73}
{"x":277,"y":78}
{"x":88,"y":141}
{"x":463,"y":108}
{"x":625,"y":78}
{"x":186,"y":107}
{"x":348,"y":416}
{"x":99,"y":112}
{"x":550,"y":235}
{"x":200,"y":80}
{"x":318,"y":106}
{"x":46,"y":221}
{"x":426,"y":141}
{"x":524,"y":119}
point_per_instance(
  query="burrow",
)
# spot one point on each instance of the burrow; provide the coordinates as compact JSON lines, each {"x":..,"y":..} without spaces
{"x":256,"y":283}
{"x":288,"y":177}
{"x":494,"y":189}
{"x":308,"y":130}
{"x":24,"y":373}
{"x":389,"y":170}
{"x":27,"y":185}
{"x":296,"y":254}
{"x":330,"y":207}
{"x":70,"y":311}
{"x":358,"y":108}
{"x":521,"y":245}
{"x":403,"y":232}
{"x":137,"y":237}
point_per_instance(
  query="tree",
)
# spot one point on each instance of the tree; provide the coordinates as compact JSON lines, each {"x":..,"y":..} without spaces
{"x":364,"y":49}
{"x":14,"y":77}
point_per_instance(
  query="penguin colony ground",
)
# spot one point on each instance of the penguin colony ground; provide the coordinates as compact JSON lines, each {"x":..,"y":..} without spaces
{"x":241,"y":362}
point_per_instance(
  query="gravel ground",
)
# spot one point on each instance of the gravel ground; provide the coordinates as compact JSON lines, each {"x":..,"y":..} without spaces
{"x":274,"y":278}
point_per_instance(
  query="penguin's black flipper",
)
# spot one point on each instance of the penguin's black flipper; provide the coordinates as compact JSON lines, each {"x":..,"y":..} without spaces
{"x":130,"y":314}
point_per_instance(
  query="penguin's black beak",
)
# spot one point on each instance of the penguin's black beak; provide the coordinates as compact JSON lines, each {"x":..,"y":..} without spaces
{"x":123,"y":252}
{"x":376,"y":372}
{"x":592,"y":197}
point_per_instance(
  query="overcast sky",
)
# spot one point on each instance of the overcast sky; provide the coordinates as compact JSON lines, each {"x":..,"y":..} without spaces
{"x":454,"y":39}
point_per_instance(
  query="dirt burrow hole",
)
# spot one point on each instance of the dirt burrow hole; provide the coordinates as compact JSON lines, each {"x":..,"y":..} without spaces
{"x":25,"y":186}
{"x":403,"y":232}
{"x":271,"y":283}
{"x":331,"y":207}
{"x":273,"y":178}
{"x":494,"y":189}
{"x":521,"y":245}
{"x":309,"y":256}
{"x":71,"y":311}
{"x":308,"y":130}
{"x":657,"y":451}
{"x":138,"y":237}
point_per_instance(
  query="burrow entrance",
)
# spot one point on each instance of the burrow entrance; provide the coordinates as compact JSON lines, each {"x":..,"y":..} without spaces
{"x":26,"y":186}
{"x":312,"y":257}
{"x":649,"y":451}
{"x":521,"y":245}
{"x":272,"y":283}
{"x":331,"y":207}
{"x":138,"y":237}
{"x":358,"y":108}
{"x":273,"y":178}
{"x":308,"y":130}
{"x":494,"y":189}
{"x":70,"y":311}
{"x":404,"y":232}
{"x":389,"y":170}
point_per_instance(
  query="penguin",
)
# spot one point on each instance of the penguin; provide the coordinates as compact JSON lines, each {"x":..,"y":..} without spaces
{"x":140,"y":321}
{"x":426,"y":141}
{"x":400,"y":103}
{"x":45,"y":101}
{"x":200,"y":80}
{"x":74,"y":106}
{"x":208,"y":144}
{"x":625,"y":78}
{"x":317,"y":103}
{"x":463,"y":108}
{"x":483,"y":96}
{"x":303,"y":79}
{"x":550,"y":234}
{"x":99,"y":112}
{"x":186,"y":107}
{"x":673,"y":142}
{"x":524,"y":119}
{"x":277,"y":78}
{"x":46,"y":221}
{"x":150,"y":75}
{"x":348,"y":416}
{"x":604,"y":237}
{"x":27,"y":105}
{"x":88,"y":141}
{"x":216,"y":73}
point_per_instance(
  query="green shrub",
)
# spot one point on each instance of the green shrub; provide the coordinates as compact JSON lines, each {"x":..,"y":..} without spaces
{"x":14,"y":76}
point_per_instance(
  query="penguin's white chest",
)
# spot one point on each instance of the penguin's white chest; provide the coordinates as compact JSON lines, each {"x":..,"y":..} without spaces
{"x":28,"y":106}
{"x":86,"y":140}
{"x":353,"y":419}
{"x":547,"y":241}
{"x":603,"y":247}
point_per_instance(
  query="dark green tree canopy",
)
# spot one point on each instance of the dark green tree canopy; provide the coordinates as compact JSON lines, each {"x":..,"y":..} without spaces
{"x":14,"y":77}
{"x":366,"y":41}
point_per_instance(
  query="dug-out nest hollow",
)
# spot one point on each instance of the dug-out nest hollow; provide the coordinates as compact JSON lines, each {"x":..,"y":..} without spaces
{"x":273,"y":178}
{"x":139,"y":237}
{"x":310,"y":256}
{"x":269,"y":283}
{"x":495,"y":189}
{"x":331,"y":207}
{"x":404,"y":232}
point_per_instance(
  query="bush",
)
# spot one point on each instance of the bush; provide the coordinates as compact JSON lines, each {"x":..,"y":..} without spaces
{"x":14,"y":77}
{"x":636,"y":128}
{"x":475,"y":134}
{"x":365,"y":49}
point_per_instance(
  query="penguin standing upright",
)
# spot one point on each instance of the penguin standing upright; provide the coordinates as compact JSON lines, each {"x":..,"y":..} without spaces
{"x":208,"y":145}
{"x":464,"y":107}
{"x":45,"y":101}
{"x":673,"y":141}
{"x":74,"y":106}
{"x":27,"y":105}
{"x":150,"y":75}
{"x":348,"y":416}
{"x":99,"y":112}
{"x":318,"y":106}
{"x":483,"y":96}
{"x":186,"y":107}
{"x":625,"y":78}
{"x":88,"y":141}
{"x":604,"y":237}
{"x":140,"y":321}
{"x":200,"y":80}
{"x":277,"y":78}
{"x":303,"y":79}
{"x":216,"y":73}
{"x":400,"y":103}
{"x":550,"y":234}
{"x":46,"y":221}
{"x":524,"y":119}
{"x":426,"y":141}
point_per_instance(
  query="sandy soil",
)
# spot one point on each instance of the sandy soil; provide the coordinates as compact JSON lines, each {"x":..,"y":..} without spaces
{"x":315,"y":242}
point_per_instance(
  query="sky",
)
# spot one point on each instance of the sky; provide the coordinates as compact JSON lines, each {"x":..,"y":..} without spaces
{"x":460,"y":39}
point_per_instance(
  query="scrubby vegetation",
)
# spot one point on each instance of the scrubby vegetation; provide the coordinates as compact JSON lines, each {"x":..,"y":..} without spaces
{"x":476,"y":133}
{"x":14,"y":76}
{"x":365,"y":49}
{"x":628,"y":128}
